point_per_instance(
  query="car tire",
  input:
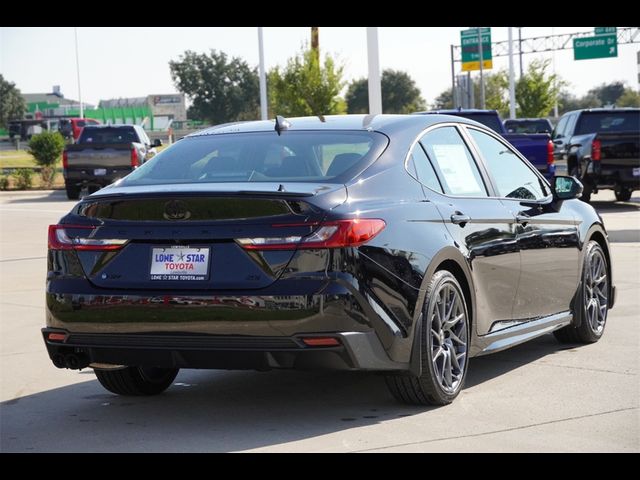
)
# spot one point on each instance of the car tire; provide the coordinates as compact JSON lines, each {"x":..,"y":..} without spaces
{"x":137,"y":381}
{"x":441,"y":342}
{"x":623,"y":195}
{"x":586,"y":193}
{"x":592,"y":299}
{"x":73,"y":192}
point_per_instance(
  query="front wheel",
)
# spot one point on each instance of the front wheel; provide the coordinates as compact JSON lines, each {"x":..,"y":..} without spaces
{"x":592,"y":299}
{"x":137,"y":381}
{"x":623,"y":195}
{"x":444,"y":347}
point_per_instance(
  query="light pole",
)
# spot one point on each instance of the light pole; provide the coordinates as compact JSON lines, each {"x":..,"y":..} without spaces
{"x":482,"y":103}
{"x":512,"y":82}
{"x":375,"y":91}
{"x":263,"y":77}
{"x":78,"y":71}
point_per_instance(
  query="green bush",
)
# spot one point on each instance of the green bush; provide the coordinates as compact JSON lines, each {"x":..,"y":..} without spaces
{"x":46,"y":148}
{"x":23,"y":178}
{"x":4,"y":182}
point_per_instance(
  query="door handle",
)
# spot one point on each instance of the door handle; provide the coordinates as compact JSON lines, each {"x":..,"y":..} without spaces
{"x":522,"y":219}
{"x":459,"y":218}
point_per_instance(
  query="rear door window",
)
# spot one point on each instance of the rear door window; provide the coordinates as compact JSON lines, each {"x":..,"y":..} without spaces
{"x":455,"y":166}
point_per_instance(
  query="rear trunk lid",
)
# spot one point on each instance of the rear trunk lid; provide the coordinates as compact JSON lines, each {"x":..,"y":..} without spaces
{"x":185,"y":237}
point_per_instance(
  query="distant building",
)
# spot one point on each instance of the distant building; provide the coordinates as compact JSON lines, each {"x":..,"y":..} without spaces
{"x":164,"y":107}
{"x":51,"y":104}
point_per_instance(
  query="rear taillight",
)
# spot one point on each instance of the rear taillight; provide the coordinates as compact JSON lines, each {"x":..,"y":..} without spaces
{"x":59,"y":239}
{"x":596,"y":150}
{"x":65,"y":159}
{"x":336,"y":234}
{"x":135,"y":160}
{"x":550,"y":160}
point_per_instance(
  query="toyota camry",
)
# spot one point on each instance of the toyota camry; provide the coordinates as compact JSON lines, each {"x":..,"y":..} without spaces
{"x":402,"y":244}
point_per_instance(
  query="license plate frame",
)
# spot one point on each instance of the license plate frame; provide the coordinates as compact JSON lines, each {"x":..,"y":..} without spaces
{"x":180,"y":263}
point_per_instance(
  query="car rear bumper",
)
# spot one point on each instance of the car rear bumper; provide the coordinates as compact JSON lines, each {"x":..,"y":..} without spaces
{"x":87,"y":176}
{"x":354,"y":351}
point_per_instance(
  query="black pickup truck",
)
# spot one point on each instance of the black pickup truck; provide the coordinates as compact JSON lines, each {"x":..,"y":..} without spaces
{"x":600,"y":147}
{"x":103,"y":154}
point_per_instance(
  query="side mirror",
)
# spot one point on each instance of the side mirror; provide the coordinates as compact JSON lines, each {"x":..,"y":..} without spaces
{"x":566,"y":188}
{"x":157,"y":142}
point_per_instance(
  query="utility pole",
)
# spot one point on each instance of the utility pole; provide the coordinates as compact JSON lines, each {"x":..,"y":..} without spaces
{"x":263,"y":77}
{"x":512,"y":83}
{"x":78,"y":72}
{"x":553,"y":63}
{"x":482,"y":103}
{"x":454,"y":93}
{"x":315,"y":41}
{"x":375,"y":91}
{"x":520,"y":48}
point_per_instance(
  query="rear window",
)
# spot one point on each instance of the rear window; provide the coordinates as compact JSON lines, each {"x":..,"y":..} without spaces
{"x":108,"y":135}
{"x":603,"y":122}
{"x":528,"y":126}
{"x":488,"y":120}
{"x":262,"y":157}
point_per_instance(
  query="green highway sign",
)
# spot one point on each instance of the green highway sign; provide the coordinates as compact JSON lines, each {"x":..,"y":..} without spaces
{"x":600,"y":46}
{"x":469,"y":49}
{"x":605,"y":30}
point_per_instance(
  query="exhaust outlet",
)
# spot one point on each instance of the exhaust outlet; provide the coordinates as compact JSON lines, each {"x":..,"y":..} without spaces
{"x":76,"y":362}
{"x":59,"y":361}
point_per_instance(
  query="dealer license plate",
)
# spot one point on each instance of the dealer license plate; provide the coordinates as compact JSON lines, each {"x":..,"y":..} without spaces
{"x":179,"y":263}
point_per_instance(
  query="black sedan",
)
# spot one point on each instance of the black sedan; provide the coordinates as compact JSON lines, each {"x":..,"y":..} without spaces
{"x":390,"y":243}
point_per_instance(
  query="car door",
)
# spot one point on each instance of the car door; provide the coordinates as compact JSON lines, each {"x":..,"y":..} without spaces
{"x":480,"y":226}
{"x":547,"y":231}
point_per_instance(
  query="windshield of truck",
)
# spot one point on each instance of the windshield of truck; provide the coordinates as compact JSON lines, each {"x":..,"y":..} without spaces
{"x":108,"y":135}
{"x":527,"y":126}
{"x":604,"y":122}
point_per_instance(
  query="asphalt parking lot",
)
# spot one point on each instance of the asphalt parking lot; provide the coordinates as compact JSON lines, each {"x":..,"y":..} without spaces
{"x":541,"y":396}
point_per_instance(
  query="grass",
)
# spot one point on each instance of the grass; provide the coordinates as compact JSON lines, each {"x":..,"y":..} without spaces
{"x":17,"y":159}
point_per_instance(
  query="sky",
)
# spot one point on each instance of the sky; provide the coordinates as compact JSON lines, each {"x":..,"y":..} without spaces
{"x":120,"y":62}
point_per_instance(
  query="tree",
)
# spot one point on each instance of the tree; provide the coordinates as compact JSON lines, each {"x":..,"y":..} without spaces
{"x":630,"y":98}
{"x":304,"y":87}
{"x":221,"y":89}
{"x":496,"y":92}
{"x":444,"y":100}
{"x":608,"y":93}
{"x":536,"y":91}
{"x":399,"y":94}
{"x":12,"y":105}
{"x":46,"y":148}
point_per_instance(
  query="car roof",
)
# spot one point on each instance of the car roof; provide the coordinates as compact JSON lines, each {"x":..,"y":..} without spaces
{"x":458,"y":111}
{"x":607,"y":110}
{"x":387,"y":124}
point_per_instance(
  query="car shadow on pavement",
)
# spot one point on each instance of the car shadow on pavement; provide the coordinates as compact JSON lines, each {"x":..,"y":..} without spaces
{"x":39,"y":196}
{"x":216,"y":411}
{"x":632,"y":205}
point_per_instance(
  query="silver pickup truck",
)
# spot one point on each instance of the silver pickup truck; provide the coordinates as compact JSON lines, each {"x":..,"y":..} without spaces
{"x":103,"y":154}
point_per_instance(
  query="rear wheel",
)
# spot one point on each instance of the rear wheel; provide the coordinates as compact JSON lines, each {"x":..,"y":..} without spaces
{"x":137,"y":381}
{"x":592,"y":299}
{"x":73,"y":191}
{"x":444,"y":347}
{"x":623,"y":194}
